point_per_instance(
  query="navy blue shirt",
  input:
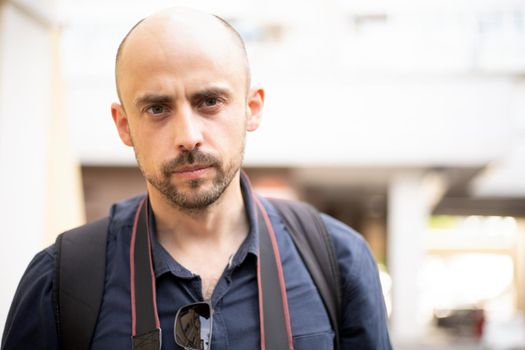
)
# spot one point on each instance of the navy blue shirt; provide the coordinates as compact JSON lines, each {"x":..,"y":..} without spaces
{"x":31,"y":321}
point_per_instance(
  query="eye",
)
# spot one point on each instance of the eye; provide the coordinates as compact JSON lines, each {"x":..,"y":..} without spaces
{"x":210,"y":101}
{"x":156,"y":109}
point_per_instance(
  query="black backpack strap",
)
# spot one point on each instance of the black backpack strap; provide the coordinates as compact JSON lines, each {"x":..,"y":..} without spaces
{"x":315,"y":246}
{"x":78,"y":284}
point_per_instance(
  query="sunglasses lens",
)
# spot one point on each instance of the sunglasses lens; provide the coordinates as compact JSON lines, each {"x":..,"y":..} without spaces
{"x":193,"y":326}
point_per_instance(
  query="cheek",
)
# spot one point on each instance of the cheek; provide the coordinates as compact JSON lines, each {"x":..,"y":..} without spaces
{"x":149,"y":139}
{"x":148,"y":151}
{"x":235,"y":141}
{"x":233,"y":133}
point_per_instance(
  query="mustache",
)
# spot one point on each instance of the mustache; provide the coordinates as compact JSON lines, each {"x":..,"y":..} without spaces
{"x":193,"y":157}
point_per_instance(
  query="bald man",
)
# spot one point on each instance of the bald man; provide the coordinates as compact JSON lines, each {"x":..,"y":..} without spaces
{"x":185,"y":105}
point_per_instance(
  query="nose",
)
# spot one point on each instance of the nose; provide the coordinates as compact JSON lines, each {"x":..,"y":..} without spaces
{"x":188,"y":134}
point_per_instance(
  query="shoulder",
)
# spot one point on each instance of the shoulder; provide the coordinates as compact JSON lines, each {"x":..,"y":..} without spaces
{"x":43,"y":263}
{"x":351,"y":249}
{"x":30,"y":323}
{"x":357,"y":264}
{"x":40,"y":270}
{"x":363,"y":324}
{"x":38,"y":276}
{"x":348,"y":243}
{"x":343,"y":235}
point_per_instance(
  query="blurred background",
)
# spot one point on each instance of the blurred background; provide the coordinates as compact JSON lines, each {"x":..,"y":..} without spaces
{"x":404,"y":119}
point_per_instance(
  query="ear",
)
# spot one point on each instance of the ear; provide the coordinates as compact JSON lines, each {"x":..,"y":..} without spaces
{"x":122,"y":124}
{"x":254,"y":108}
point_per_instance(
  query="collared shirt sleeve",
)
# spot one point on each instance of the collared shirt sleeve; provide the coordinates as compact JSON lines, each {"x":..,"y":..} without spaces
{"x":364,"y":324}
{"x":31,"y":322}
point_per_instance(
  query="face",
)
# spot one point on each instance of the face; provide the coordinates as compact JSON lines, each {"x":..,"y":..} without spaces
{"x":185,"y":111}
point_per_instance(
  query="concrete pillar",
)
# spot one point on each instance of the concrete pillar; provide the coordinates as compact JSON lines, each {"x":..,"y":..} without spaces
{"x":24,"y":109}
{"x":519,"y":267}
{"x":64,"y":196}
{"x":411,"y":196}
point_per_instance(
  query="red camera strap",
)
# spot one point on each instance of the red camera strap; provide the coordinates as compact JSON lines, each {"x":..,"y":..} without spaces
{"x":145,"y":322}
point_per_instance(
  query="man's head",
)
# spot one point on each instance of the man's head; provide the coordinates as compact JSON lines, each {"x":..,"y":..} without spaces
{"x":185,"y":104}
{"x":237,"y":39}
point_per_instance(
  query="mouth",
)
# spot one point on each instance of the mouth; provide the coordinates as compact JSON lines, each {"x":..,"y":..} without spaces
{"x":192,"y":172}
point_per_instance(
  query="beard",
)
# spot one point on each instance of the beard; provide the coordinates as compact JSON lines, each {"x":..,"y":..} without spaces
{"x":195,"y":196}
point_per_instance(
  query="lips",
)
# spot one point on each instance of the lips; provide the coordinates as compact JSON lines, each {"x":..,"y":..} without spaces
{"x":188,"y":169}
{"x":191,"y":172}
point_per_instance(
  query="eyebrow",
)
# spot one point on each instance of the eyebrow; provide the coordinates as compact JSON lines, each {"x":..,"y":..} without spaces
{"x":149,"y":99}
{"x":211,"y":92}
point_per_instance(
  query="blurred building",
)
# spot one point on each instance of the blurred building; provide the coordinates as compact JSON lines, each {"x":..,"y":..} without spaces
{"x":393,"y":116}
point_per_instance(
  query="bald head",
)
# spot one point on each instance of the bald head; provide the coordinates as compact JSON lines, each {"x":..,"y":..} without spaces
{"x":180,"y":22}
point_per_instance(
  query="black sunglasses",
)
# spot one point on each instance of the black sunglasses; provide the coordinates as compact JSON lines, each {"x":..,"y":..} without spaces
{"x":193,"y":324}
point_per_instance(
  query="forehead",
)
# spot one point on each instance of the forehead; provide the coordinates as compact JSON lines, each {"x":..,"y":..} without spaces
{"x":182,"y":50}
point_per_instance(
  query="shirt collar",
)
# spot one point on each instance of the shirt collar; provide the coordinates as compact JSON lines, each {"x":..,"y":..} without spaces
{"x":163,"y":262}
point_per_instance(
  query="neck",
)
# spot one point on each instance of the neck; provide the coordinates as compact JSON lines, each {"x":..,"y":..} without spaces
{"x":222,"y":224}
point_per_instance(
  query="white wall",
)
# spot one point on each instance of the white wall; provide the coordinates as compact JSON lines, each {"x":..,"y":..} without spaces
{"x":40,"y":184}
{"x":25,"y":62}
